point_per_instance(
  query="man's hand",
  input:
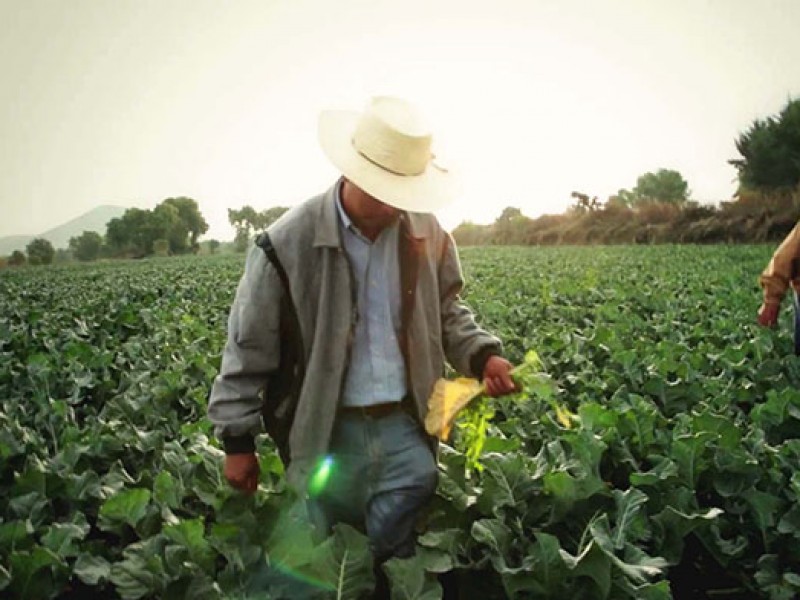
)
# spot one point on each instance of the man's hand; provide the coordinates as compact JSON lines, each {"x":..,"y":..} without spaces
{"x":497,"y":376}
{"x":768,"y":314}
{"x":241,"y":471}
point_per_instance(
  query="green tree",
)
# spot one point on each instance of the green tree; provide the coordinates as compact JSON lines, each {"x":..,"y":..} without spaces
{"x":510,"y":227}
{"x":161,"y":247}
{"x":134,"y":232}
{"x":118,"y":237}
{"x":63,"y":255}
{"x":247,"y":220}
{"x":268,"y":216}
{"x":86,"y":246}
{"x":192,"y":223}
{"x":40,"y":252}
{"x":471,"y":234}
{"x":213,"y":246}
{"x":622,"y":198}
{"x":176,"y":220}
{"x":144,"y":230}
{"x":242,"y":220}
{"x":17,"y":258}
{"x":665,"y":185}
{"x":770,"y":152}
{"x":166,"y":224}
{"x":241,"y":240}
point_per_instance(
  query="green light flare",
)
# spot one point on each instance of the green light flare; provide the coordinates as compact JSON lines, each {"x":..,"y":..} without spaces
{"x":320,"y":478}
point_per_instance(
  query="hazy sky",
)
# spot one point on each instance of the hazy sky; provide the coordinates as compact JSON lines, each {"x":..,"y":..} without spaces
{"x":129,"y":102}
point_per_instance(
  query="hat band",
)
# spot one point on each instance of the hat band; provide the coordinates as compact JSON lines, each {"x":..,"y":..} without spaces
{"x":380,"y":165}
{"x":385,"y":146}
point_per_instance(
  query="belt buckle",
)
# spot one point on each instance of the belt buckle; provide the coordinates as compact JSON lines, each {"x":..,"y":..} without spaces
{"x":374,"y":411}
{"x":378,"y":411}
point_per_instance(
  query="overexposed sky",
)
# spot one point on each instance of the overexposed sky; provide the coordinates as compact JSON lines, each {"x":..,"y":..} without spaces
{"x":129,"y":102}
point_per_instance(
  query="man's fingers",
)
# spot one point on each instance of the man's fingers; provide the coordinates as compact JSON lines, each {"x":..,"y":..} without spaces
{"x":237,"y":482}
{"x":768,"y":315}
{"x":497,"y":376}
{"x":244,"y":483}
{"x":242,"y":471}
{"x":498,"y":386}
{"x":508,"y":383}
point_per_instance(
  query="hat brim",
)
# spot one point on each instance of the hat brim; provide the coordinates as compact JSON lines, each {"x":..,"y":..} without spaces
{"x":427,"y":192}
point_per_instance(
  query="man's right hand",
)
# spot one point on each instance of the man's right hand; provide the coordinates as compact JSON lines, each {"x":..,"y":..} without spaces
{"x":768,"y":314}
{"x":241,"y":471}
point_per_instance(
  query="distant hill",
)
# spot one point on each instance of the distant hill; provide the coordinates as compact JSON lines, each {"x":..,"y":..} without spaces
{"x":94,"y":220}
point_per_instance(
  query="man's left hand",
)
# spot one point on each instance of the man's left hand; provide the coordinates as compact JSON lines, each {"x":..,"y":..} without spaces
{"x":768,"y":314}
{"x":497,"y":376}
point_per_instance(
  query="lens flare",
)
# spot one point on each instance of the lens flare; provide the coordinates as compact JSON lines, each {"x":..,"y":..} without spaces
{"x":291,"y":558}
{"x":320,"y":477}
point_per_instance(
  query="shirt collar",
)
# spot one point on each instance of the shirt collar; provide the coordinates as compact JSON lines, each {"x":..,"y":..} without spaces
{"x":347,"y":223}
{"x":344,"y":219}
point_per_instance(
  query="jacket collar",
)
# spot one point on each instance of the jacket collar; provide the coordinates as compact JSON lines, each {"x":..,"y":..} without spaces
{"x":412,"y":225}
{"x":326,"y":227}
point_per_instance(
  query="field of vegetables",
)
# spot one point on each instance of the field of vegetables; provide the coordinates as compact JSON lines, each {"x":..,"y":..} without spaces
{"x":670,"y":470}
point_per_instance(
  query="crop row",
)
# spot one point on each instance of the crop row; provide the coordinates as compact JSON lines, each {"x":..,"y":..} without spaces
{"x":673,"y":474}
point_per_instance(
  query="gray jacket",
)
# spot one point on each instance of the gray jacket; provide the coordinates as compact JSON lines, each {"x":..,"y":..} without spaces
{"x":436,"y":327}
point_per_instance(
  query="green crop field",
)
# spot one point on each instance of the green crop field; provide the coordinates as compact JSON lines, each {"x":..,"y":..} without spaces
{"x":665,"y":465}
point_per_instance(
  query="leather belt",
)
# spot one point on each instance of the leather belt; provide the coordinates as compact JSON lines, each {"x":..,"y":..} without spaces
{"x":375,"y":411}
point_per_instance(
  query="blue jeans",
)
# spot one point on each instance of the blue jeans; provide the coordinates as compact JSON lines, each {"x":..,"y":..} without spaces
{"x":382,"y":473}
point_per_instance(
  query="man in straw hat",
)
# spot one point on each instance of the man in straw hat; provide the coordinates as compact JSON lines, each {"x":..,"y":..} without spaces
{"x":348,"y":309}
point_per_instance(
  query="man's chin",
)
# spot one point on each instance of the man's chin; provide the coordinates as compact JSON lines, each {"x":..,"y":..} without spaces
{"x":383,"y":222}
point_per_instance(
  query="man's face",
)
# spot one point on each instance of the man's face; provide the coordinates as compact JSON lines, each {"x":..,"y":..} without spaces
{"x":369,"y":214}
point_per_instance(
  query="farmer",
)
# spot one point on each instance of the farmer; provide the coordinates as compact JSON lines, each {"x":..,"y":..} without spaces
{"x":782,"y":271}
{"x":351,"y":303}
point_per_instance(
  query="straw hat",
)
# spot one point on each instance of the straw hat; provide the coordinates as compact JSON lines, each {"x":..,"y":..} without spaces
{"x":386,"y":151}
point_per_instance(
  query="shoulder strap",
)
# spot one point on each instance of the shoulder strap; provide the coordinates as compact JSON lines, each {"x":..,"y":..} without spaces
{"x":283,"y":389}
{"x":264,"y":242}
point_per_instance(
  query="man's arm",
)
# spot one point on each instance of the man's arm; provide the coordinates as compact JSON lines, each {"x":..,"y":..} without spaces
{"x":251,"y":353}
{"x":775,"y":279}
{"x":470,"y":349}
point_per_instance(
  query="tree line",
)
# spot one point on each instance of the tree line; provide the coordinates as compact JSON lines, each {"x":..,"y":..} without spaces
{"x":172,"y":228}
{"x":659,"y":208}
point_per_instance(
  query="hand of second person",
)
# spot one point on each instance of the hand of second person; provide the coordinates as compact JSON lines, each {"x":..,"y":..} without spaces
{"x":497,"y":376}
{"x":768,"y":314}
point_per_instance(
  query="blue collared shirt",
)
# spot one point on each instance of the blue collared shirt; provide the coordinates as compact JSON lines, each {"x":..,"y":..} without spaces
{"x":376,"y":372}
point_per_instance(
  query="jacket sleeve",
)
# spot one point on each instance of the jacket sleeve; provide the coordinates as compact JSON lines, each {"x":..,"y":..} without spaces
{"x":251,"y":353}
{"x":467,"y":347}
{"x":775,"y":279}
